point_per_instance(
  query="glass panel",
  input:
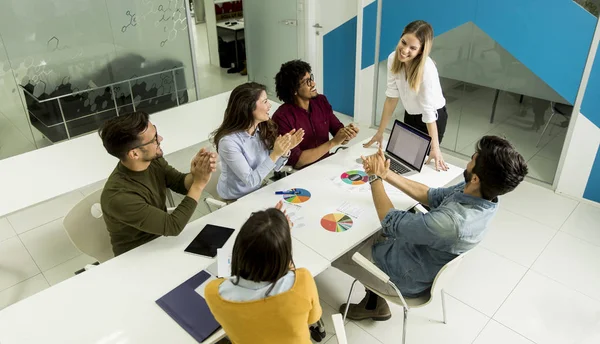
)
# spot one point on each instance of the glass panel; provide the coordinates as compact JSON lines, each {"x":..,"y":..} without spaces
{"x":84,"y":53}
{"x":272,"y":42}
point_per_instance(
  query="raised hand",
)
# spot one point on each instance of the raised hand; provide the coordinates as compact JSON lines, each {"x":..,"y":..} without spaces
{"x":341,"y":136}
{"x":297,"y":137}
{"x":279,"y":206}
{"x":377,"y":164}
{"x":282,"y":145}
{"x":203,"y":165}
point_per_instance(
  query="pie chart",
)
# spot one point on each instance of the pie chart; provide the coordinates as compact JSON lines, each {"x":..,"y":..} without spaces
{"x":302,"y":196}
{"x":336,"y":222}
{"x":354,"y":177}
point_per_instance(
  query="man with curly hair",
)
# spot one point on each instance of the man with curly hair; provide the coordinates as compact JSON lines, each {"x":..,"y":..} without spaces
{"x":306,"y":109}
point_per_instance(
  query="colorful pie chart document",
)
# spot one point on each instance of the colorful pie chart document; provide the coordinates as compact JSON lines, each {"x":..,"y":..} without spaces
{"x":297,"y":196}
{"x":336,"y":222}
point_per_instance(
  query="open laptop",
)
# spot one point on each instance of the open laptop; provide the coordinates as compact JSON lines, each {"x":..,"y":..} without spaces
{"x":406,"y":149}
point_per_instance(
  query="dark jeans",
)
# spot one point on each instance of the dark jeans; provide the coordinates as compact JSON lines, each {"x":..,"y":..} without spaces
{"x":417,"y":122}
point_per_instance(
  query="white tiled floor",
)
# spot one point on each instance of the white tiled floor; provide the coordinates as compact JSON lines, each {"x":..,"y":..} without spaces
{"x":534,"y":278}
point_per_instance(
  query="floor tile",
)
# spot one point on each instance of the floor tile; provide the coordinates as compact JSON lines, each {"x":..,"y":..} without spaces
{"x":495,"y":333}
{"x":49,"y":245}
{"x":17,"y":264}
{"x":572,"y":262}
{"x":484,"y":280}
{"x":6,"y":230}
{"x":334,"y":286}
{"x":516,"y":237}
{"x":67,"y":269}
{"x":22,"y":290}
{"x":591,"y":336}
{"x":356,"y":335}
{"x":583,"y":223}
{"x":425,"y":324}
{"x":547,"y":312}
{"x":43,"y":213}
{"x":539,"y":204}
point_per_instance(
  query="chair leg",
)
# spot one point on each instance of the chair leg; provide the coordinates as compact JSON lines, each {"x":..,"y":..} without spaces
{"x":444,"y":306}
{"x":348,"y":300}
{"x":404,"y":324}
{"x":170,"y":198}
{"x":544,"y":131}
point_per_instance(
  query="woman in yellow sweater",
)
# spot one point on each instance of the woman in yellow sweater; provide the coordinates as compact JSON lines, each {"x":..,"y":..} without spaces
{"x":267,"y":300}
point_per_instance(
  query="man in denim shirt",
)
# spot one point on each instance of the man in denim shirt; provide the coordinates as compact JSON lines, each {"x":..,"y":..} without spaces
{"x":412,"y":248}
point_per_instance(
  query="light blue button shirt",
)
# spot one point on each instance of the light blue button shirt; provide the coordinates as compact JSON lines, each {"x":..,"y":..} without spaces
{"x":246,"y":290}
{"x":245,"y":163}
{"x":418,"y":245}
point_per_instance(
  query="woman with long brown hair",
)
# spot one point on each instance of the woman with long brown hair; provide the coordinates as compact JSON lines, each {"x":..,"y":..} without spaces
{"x":247,"y":142}
{"x":413,"y":77}
{"x":266,"y":299}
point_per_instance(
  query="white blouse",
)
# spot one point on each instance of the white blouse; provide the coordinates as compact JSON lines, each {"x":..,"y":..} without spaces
{"x":427,"y":101}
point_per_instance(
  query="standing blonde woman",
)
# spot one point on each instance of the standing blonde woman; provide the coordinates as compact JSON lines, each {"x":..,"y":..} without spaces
{"x":413,"y":78}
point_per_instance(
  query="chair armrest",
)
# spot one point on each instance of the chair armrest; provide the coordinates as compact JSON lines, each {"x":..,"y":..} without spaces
{"x":340,"y":330}
{"x":370,"y":267}
{"x":170,"y":210}
{"x":218,"y":204}
{"x":421,"y":209}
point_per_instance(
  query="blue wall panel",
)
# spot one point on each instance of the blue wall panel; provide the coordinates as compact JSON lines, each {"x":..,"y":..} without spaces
{"x":550,"y":37}
{"x":592,"y":189}
{"x":339,"y":63}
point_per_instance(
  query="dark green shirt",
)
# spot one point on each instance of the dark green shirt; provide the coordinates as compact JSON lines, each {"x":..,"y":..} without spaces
{"x":134,"y":205}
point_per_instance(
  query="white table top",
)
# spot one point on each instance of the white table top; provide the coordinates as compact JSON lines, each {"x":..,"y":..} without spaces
{"x":115,"y":301}
{"x":49,"y":172}
{"x":238,"y":26}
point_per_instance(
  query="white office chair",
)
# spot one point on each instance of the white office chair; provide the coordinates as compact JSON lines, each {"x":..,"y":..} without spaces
{"x":340,"y":330}
{"x":86,"y":228}
{"x":215,"y":202}
{"x":441,"y":280}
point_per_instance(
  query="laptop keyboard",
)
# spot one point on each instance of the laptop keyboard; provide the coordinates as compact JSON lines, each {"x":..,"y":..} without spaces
{"x":398,"y":167}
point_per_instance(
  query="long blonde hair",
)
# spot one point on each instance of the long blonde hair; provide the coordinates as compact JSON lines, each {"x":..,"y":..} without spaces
{"x":414,"y":72}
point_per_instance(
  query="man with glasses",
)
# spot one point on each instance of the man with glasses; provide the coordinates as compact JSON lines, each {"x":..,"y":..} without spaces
{"x":134,"y":198}
{"x":304,"y":108}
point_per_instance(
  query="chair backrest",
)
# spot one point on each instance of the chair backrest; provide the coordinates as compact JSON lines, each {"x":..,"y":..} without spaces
{"x":211,"y":187}
{"x":444,"y":276}
{"x":86,"y":228}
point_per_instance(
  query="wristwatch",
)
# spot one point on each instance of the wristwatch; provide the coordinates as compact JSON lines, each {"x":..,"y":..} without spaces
{"x":373,"y":177}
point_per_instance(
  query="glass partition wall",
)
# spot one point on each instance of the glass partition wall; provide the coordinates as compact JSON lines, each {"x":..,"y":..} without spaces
{"x":66,"y":66}
{"x":488,"y":90}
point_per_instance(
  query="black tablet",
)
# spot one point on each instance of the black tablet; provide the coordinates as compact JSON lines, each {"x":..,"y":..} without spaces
{"x":209,"y":239}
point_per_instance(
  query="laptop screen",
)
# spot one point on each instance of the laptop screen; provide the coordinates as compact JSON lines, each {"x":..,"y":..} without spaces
{"x":408,"y":145}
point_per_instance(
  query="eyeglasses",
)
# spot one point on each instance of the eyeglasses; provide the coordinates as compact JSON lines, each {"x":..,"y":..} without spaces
{"x":155,"y":139}
{"x":308,"y":81}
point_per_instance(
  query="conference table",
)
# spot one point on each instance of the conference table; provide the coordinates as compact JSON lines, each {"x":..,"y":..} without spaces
{"x":115,"y":301}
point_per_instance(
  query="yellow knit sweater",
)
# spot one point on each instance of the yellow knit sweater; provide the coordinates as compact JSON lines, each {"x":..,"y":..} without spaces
{"x":282,"y":318}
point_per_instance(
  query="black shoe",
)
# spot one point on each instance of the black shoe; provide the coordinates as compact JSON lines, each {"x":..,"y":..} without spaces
{"x":360,"y":312}
{"x":317,"y":331}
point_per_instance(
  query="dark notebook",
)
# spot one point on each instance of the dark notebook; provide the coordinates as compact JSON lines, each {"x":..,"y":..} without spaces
{"x":189,"y":309}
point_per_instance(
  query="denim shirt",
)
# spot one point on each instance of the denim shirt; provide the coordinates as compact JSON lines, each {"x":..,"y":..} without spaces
{"x":417,"y":246}
{"x":245,"y":163}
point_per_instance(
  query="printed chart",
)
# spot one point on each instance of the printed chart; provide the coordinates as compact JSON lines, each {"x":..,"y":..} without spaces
{"x":302,"y":196}
{"x":354,"y":177}
{"x":336,"y":222}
